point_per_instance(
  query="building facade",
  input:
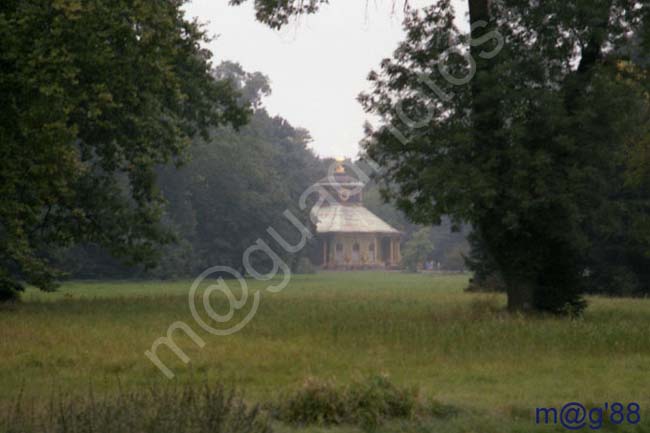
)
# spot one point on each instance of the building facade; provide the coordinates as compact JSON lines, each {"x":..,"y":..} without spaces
{"x":352,"y":237}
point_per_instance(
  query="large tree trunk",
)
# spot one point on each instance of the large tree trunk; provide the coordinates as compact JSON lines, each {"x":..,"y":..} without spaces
{"x":479,"y":10}
{"x":521,"y":295}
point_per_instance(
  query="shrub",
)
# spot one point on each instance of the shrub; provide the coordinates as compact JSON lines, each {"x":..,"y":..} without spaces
{"x":304,"y":266}
{"x":440,"y":410}
{"x":316,"y":401}
{"x":9,"y":290}
{"x":376,"y":399}
{"x":366,"y":403}
{"x":417,"y":249}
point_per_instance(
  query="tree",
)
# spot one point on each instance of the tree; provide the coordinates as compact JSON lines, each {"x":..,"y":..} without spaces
{"x":529,"y":160}
{"x":235,"y":185}
{"x":95,"y":96}
{"x":515,"y":152}
{"x":619,"y":261}
{"x":448,"y":241}
{"x":417,"y":249}
{"x":239,"y":183}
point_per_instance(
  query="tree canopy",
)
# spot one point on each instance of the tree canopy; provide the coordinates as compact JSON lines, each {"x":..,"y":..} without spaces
{"x":277,"y":13}
{"x":532,"y":152}
{"x":239,"y":183}
{"x":95,"y":96}
{"x":233,"y":187}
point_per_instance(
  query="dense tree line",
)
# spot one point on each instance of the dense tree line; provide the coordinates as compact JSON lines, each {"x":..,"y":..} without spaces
{"x":233,"y":187}
{"x":237,"y":184}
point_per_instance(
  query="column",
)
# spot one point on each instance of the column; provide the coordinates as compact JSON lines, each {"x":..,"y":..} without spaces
{"x":398,"y":248}
{"x":374,"y":240}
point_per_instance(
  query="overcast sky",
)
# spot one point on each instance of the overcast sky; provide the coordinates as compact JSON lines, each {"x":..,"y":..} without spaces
{"x":317,"y":65}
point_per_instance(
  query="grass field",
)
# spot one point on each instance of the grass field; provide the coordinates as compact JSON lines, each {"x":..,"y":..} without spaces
{"x":421,"y":330}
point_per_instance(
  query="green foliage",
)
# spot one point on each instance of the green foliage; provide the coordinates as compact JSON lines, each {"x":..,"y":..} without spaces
{"x":9,"y":290}
{"x":277,"y":13}
{"x":94,"y":96}
{"x":211,"y":409}
{"x":367,"y":403}
{"x":531,"y":150}
{"x":373,"y":200}
{"x":304,"y":266}
{"x":234,"y":186}
{"x":448,"y":240}
{"x":417,"y":250}
{"x":377,"y":399}
{"x":238,"y":184}
{"x":316,"y":401}
{"x":485,"y":276}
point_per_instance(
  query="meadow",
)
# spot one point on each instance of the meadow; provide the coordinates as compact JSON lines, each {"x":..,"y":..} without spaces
{"x":421,"y":331}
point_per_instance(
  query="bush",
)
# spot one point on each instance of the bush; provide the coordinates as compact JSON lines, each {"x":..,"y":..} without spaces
{"x":615,"y":280}
{"x":417,"y":249}
{"x":366,"y":403}
{"x":376,"y":399}
{"x":304,"y":266}
{"x":9,"y":290}
{"x":316,"y":401}
{"x":189,"y":410}
{"x":491,"y":283}
{"x":440,"y":410}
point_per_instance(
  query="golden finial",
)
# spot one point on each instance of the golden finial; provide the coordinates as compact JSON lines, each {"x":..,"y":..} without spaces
{"x":340,"y":169}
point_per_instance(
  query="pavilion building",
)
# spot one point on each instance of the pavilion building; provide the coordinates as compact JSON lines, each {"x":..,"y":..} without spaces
{"x":351,"y":236}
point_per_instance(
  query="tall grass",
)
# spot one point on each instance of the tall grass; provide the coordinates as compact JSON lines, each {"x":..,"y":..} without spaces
{"x":208,"y":409}
{"x":458,"y":348}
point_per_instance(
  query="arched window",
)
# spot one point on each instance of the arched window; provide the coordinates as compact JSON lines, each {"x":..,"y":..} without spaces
{"x":338,"y":256}
{"x":385,"y":251}
{"x":356,"y":256}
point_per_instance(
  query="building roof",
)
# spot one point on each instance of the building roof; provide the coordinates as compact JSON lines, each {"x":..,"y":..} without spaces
{"x":350,"y":218}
